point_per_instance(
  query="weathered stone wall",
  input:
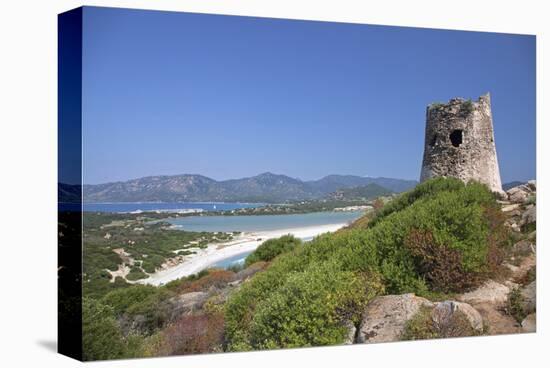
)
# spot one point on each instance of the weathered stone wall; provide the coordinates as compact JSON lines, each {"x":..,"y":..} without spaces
{"x":460,"y":143}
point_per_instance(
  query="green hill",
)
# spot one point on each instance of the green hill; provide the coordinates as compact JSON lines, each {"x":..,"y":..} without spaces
{"x":366,"y":192}
{"x":441,"y":237}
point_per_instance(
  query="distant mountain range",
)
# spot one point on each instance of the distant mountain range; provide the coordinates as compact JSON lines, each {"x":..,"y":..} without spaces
{"x":511,"y":185}
{"x":266,"y":187}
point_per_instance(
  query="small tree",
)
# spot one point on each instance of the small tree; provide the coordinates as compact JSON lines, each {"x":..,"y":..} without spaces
{"x":271,"y":248}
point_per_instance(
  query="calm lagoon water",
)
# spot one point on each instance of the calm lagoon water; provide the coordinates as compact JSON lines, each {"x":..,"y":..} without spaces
{"x":165,"y":206}
{"x":227,"y":223}
{"x":262,"y":222}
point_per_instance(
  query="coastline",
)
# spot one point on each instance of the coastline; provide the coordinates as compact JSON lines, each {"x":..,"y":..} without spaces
{"x":216,"y":252}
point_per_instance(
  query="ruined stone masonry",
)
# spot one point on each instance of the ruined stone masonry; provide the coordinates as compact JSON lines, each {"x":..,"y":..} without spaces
{"x":460,"y":143}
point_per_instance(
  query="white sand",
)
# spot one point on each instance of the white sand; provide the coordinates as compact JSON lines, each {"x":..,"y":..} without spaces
{"x":216,"y":252}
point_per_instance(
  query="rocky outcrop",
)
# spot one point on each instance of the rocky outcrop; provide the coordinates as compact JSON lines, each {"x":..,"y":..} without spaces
{"x":385,"y":317}
{"x":444,"y":313}
{"x":529,"y":216}
{"x":490,"y":292}
{"x":529,"y":297}
{"x":522,"y":192}
{"x":351,"y":331}
{"x":524,"y":247}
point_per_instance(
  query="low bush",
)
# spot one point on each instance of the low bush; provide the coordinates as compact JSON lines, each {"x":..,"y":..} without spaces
{"x":457,"y":225}
{"x":193,"y":334}
{"x":100,"y":286}
{"x":271,"y":248}
{"x":101,"y":337}
{"x":529,"y":228}
{"x":423,"y":326}
{"x":136,"y":274}
{"x":176,"y":285}
{"x":310,"y":308}
{"x":140,"y":300}
{"x":514,"y":305}
{"x":152,"y":262}
{"x":441,"y":266}
{"x":423,"y":190}
{"x":214,"y":278}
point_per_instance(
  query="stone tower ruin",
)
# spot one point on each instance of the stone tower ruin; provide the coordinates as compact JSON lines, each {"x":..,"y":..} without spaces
{"x":460,"y":142}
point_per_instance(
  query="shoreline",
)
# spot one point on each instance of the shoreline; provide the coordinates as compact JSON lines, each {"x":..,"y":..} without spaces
{"x":216,"y":252}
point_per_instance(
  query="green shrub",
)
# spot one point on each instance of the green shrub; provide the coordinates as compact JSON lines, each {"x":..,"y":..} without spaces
{"x":420,"y":327}
{"x":142,"y":300}
{"x":423,"y":326}
{"x":425,"y":189}
{"x":136,"y":274}
{"x":177,"y":285}
{"x":310,"y":308}
{"x":514,"y":305}
{"x":152,"y":262}
{"x":529,"y":228}
{"x":271,"y":248}
{"x":441,"y":266}
{"x":458,"y":226}
{"x":99,"y":287}
{"x":101,"y":338}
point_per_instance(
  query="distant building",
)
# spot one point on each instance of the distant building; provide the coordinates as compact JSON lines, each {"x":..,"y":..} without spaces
{"x":460,"y":142}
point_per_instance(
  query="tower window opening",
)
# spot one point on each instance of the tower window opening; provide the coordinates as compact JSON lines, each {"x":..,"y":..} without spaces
{"x":433,"y":140}
{"x":456,"y":137}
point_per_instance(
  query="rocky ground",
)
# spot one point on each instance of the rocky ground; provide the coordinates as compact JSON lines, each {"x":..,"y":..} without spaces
{"x":503,"y":305}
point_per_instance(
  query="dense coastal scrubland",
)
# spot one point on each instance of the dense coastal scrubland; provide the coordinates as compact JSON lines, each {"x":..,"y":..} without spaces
{"x":124,"y":248}
{"x":444,"y":259}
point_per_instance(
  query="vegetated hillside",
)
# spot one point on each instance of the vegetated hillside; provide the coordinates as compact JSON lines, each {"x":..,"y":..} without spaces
{"x":266,"y":187}
{"x":441,"y":237}
{"x":367,"y":192}
{"x":442,"y":241}
{"x":332,"y":183}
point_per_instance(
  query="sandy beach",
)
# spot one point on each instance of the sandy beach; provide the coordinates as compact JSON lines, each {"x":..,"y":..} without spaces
{"x":217,"y":252}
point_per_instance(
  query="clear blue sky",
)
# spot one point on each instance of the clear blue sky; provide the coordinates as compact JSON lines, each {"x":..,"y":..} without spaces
{"x":228,"y":97}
